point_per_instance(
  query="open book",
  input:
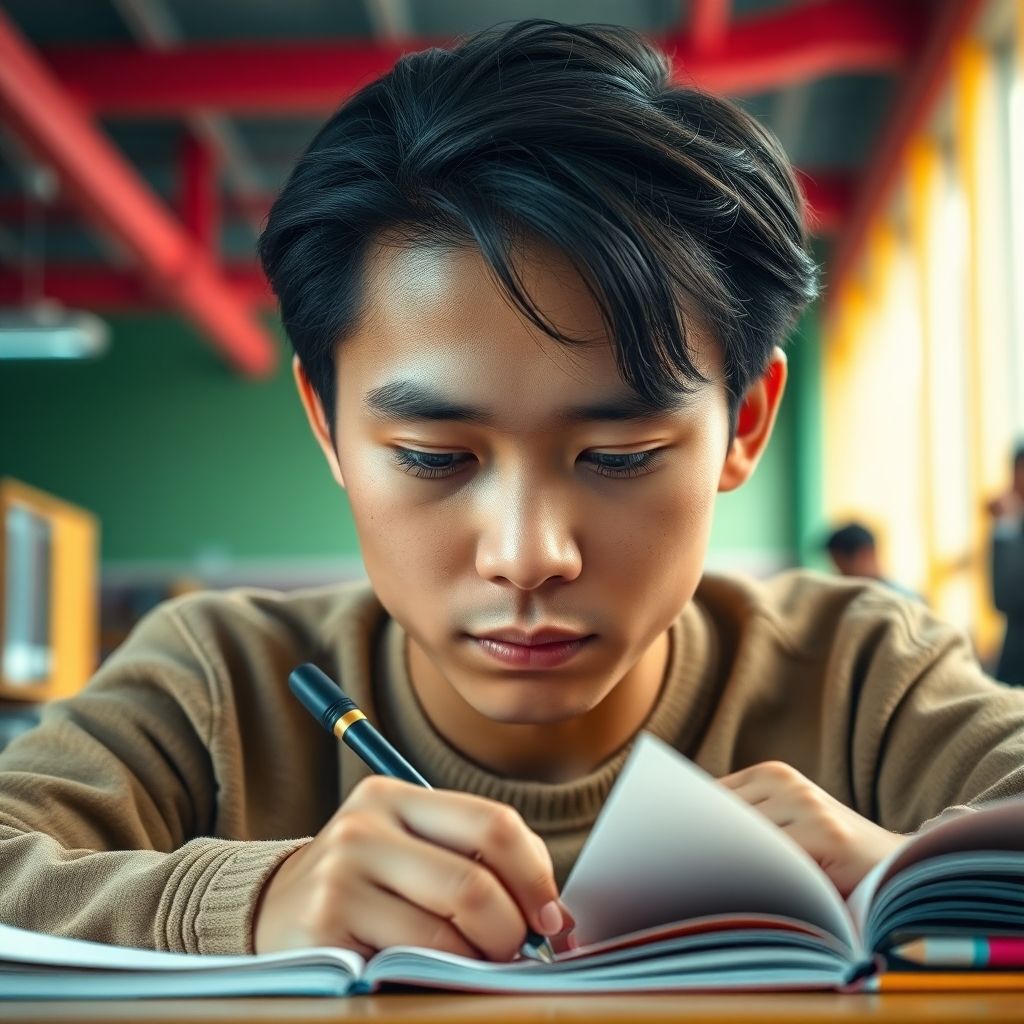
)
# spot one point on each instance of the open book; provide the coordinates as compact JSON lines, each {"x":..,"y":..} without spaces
{"x":680,"y":886}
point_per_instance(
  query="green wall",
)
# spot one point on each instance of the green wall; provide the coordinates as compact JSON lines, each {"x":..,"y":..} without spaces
{"x":186,"y":463}
{"x":181,"y":458}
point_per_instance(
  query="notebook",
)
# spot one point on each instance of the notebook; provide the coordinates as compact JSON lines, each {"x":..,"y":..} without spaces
{"x":681,"y":886}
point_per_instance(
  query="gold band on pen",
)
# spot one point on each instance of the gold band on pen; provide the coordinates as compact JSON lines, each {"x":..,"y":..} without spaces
{"x":346,"y":720}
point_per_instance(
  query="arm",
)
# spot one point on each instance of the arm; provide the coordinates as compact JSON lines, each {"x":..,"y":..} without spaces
{"x":923,"y":731}
{"x":955,"y":737}
{"x":105,"y":810}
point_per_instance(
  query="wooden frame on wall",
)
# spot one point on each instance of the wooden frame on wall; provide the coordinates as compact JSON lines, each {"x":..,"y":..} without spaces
{"x":70,"y":607}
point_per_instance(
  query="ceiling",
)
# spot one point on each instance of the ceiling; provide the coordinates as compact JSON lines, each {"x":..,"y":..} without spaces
{"x":229,"y":92}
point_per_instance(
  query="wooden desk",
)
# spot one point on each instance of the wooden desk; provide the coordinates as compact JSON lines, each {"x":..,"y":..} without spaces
{"x":443,"y":1008}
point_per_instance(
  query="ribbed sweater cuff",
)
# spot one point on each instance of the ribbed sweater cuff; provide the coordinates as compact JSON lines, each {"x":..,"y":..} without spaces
{"x":210,"y":899}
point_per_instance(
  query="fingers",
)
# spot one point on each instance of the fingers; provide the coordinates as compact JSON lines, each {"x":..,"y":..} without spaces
{"x":382,"y":919}
{"x":447,"y":886}
{"x":495,"y":835}
{"x":402,"y":865}
{"x":765,"y":781}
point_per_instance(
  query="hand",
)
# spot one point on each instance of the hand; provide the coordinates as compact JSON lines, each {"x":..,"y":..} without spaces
{"x":398,"y":864}
{"x":845,"y":845}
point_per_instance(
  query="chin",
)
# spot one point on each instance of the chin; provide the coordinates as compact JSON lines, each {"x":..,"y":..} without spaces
{"x":526,"y":707}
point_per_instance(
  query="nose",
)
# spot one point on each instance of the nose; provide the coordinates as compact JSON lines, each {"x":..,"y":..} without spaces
{"x":527,"y":537}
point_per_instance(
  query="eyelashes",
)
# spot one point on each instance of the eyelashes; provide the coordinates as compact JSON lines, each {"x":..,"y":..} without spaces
{"x":435,"y":465}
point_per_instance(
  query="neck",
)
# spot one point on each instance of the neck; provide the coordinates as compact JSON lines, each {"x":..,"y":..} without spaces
{"x":550,"y":752}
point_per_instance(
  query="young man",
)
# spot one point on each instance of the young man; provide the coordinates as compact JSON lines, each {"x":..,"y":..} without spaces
{"x":536,"y":292}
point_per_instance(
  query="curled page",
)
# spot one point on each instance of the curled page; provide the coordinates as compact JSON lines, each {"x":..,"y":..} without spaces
{"x":672,"y":844}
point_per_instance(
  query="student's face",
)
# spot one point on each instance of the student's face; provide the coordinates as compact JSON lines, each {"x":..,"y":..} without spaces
{"x":518,"y":527}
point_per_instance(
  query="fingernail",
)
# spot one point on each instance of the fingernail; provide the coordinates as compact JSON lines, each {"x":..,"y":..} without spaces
{"x":550,"y":918}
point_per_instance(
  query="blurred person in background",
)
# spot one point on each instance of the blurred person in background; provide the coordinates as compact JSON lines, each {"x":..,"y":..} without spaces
{"x":1007,"y":511}
{"x":854,"y":552}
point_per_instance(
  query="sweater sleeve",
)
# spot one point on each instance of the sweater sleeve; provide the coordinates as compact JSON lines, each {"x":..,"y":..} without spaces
{"x":106,"y":809}
{"x":934,"y":734}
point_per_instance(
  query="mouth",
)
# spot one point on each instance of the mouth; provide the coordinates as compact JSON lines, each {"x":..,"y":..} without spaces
{"x":548,"y":655}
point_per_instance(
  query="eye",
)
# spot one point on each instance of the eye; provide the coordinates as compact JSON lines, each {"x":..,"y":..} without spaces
{"x":437,"y":465}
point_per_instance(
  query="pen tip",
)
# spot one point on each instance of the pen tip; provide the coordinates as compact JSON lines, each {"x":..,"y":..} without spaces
{"x":545,"y":952}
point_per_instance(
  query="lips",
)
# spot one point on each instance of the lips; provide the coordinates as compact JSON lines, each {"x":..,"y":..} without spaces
{"x":536,"y":656}
{"x":548,"y":635}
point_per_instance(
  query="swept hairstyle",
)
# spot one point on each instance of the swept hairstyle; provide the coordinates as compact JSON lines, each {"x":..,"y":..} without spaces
{"x":671,"y":203}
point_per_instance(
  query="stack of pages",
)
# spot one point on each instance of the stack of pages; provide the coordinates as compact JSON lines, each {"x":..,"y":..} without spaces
{"x":680,"y":886}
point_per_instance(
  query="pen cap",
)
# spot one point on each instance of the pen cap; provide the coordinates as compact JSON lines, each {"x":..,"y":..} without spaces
{"x":320,"y":695}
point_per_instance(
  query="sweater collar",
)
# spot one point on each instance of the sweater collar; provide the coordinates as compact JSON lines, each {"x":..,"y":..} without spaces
{"x":678,"y":717}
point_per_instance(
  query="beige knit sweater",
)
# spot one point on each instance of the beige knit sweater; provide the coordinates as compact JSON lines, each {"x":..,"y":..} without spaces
{"x":150,"y":809}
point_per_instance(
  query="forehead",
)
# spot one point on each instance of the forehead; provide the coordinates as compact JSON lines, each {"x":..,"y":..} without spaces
{"x":436,"y":318}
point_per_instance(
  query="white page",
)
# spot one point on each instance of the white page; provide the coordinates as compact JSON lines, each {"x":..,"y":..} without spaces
{"x":671,"y":843}
{"x":27,"y":947}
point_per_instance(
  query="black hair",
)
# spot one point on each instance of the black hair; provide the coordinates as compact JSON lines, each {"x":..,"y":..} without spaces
{"x":1018,"y":456}
{"x":663,"y":196}
{"x":850,"y":539}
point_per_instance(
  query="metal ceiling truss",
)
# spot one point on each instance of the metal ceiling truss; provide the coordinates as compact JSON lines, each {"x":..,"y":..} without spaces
{"x":51,"y":100}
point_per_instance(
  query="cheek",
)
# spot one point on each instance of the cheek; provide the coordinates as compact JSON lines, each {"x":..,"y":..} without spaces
{"x":401,"y":533}
{"x":667,"y":520}
{"x":657,"y":545}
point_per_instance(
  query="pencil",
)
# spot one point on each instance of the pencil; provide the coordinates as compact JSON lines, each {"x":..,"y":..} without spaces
{"x":956,"y":951}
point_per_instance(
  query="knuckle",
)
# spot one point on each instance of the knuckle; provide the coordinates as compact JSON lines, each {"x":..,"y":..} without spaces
{"x":541,"y":882}
{"x":503,"y":825}
{"x":352,"y":830}
{"x":474,"y":890}
{"x":373,"y":788}
{"x":808,"y":797}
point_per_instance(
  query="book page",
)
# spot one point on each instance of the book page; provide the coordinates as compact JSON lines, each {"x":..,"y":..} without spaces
{"x":996,"y":826}
{"x":19,"y":946}
{"x":671,"y":844}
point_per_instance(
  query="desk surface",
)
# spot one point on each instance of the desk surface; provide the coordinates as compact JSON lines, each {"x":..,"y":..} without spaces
{"x":443,"y":1008}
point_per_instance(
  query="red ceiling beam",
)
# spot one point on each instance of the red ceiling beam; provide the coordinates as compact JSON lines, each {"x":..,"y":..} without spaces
{"x":801,"y":43}
{"x":828,"y":199}
{"x":111,"y":195}
{"x":199,"y":201}
{"x":709,"y":22}
{"x":922,"y":87}
{"x":758,"y":53}
{"x":105,"y":290}
{"x":100,"y":288}
{"x":828,"y":194}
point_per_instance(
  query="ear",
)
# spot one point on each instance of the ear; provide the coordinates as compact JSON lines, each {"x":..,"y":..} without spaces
{"x":754,"y":423}
{"x":317,"y":418}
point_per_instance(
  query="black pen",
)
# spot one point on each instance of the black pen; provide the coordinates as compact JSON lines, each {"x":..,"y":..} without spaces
{"x":324,"y":699}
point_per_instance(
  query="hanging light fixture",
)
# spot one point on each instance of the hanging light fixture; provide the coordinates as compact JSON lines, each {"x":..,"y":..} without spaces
{"x":46,"y":330}
{"x":42,"y":328}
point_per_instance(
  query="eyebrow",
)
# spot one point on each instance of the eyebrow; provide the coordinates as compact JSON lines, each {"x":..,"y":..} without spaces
{"x":404,"y":400}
